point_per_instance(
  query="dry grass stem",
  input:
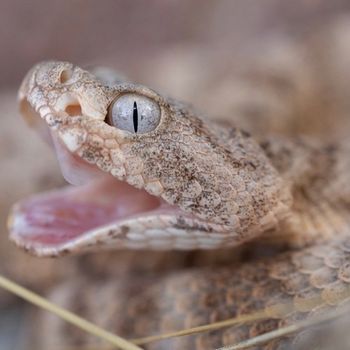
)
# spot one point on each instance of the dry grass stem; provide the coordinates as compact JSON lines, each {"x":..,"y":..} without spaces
{"x":274,"y":311}
{"x":208,"y":327}
{"x":66,"y":315}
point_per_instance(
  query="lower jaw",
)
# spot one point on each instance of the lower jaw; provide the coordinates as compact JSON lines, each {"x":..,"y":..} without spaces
{"x":57,"y":217}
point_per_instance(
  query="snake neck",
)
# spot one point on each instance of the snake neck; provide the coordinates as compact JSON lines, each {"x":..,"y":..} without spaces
{"x":317,"y":174}
{"x":301,"y":161}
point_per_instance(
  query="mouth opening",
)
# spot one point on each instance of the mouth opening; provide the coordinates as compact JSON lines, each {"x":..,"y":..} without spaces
{"x":57,"y":217}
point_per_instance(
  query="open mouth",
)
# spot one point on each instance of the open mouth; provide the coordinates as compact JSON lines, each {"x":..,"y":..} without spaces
{"x":60,"y":216}
{"x":54,"y":220}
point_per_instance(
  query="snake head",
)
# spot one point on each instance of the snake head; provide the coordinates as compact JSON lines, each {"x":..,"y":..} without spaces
{"x":151,"y":172}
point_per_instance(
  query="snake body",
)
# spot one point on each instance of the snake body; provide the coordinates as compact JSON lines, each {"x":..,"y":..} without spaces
{"x":218,"y":187}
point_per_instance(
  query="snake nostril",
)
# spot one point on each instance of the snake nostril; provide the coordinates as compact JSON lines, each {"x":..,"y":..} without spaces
{"x":73,"y":110}
{"x":65,"y":75}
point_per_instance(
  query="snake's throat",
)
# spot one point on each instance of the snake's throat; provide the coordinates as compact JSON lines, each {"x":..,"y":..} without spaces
{"x":58,"y":217}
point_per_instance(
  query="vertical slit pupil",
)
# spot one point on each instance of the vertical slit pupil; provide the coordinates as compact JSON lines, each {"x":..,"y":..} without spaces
{"x":135,"y":117}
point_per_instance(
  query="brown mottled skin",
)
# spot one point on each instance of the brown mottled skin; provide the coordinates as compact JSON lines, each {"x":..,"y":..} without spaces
{"x":229,"y":188}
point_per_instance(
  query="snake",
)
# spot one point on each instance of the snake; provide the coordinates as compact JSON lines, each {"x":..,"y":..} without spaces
{"x":149,"y":173}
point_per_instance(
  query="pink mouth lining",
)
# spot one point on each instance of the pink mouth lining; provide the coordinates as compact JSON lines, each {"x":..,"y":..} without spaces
{"x":60,"y":216}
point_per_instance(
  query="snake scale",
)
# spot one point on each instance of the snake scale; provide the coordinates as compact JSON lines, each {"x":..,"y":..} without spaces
{"x":155,"y":174}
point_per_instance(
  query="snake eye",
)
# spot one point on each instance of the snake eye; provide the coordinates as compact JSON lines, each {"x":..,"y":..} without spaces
{"x":134,"y":113}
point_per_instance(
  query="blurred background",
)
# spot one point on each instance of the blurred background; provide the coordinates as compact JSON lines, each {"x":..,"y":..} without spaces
{"x":184,"y":48}
{"x":127,"y":34}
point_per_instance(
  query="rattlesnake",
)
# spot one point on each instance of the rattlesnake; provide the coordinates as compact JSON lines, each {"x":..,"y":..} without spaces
{"x":157,"y":175}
